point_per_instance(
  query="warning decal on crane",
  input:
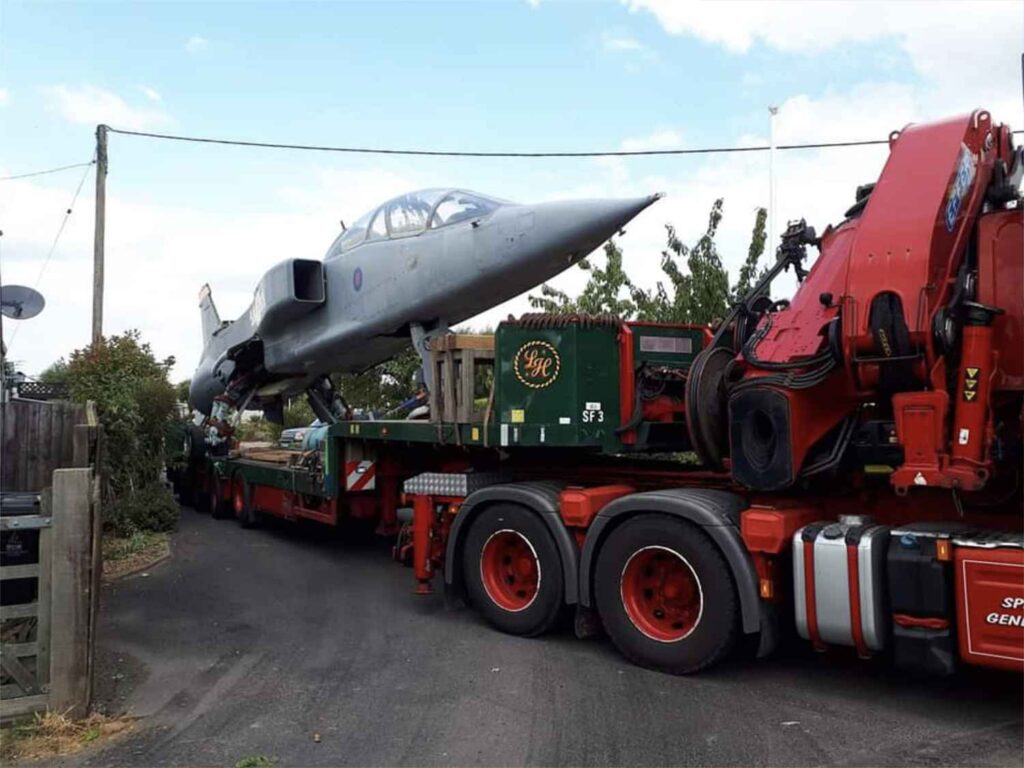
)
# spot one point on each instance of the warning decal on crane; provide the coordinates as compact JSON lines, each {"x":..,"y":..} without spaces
{"x":971,"y":383}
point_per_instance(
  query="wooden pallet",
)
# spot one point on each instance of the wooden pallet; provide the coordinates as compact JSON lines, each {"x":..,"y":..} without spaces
{"x":270,"y":455}
{"x":455,"y":358}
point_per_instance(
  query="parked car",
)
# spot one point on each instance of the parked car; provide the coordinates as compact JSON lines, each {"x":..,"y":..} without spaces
{"x":292,"y":438}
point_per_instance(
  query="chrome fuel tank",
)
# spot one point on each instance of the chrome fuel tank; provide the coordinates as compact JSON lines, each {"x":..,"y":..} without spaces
{"x":839,"y":578}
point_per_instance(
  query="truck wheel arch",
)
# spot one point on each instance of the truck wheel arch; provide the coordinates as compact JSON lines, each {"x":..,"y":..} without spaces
{"x":540,"y":498}
{"x":715,"y":512}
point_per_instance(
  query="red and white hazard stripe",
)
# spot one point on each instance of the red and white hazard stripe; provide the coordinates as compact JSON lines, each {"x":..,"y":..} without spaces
{"x":360,"y":475}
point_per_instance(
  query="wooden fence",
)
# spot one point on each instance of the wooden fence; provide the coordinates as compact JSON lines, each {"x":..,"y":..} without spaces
{"x":51,"y":562}
{"x":35,"y":439}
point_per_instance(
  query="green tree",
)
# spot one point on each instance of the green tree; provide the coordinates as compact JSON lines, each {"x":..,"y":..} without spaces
{"x":602,"y":293}
{"x":749,"y":273}
{"x":56,"y":373}
{"x":135,"y":403}
{"x":700,"y":294}
{"x":382,"y":387}
{"x":258,"y":430}
{"x":697,"y":289}
{"x":297,"y":413}
{"x":181,"y":390}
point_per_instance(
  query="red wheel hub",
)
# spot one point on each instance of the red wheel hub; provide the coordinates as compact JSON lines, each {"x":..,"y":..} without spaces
{"x":510,"y":570}
{"x":661,"y":594}
{"x":238,"y":497}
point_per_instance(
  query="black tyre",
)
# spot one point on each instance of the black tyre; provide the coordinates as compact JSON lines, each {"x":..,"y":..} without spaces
{"x":242,"y":504}
{"x":219,"y":508}
{"x":512,"y":571}
{"x":665,"y":595}
{"x":201,"y":494}
{"x":194,"y":451}
{"x":183,"y":487}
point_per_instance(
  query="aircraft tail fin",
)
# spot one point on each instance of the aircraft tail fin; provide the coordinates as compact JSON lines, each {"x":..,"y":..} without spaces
{"x":208,"y":313}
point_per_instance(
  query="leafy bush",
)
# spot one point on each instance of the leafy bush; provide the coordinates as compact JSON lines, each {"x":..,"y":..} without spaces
{"x":135,"y":402}
{"x":257,"y":430}
{"x":150,"y":508}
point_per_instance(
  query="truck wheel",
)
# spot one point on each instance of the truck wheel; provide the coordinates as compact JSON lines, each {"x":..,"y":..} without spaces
{"x":201,"y":495}
{"x":219,"y":509}
{"x":241,"y":503}
{"x":665,"y":595}
{"x":512,"y":571}
{"x":194,"y":449}
{"x":186,"y":492}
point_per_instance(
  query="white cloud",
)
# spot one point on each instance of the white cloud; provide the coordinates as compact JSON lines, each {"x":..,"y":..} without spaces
{"x":533,"y":3}
{"x":89,"y":105}
{"x":5,"y":97}
{"x":618,"y":42}
{"x":922,"y":27}
{"x":196,"y":44}
{"x":971,"y":50}
{"x":151,"y":93}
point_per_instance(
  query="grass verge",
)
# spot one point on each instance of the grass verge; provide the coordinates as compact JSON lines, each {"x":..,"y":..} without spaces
{"x":122,"y":556}
{"x":256,"y":761}
{"x":49,"y":734}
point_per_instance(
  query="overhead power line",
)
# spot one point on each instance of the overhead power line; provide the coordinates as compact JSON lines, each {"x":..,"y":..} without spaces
{"x":456,"y":153}
{"x":60,"y":231}
{"x":48,"y":170}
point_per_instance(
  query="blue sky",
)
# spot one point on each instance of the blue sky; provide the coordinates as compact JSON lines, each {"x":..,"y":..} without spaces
{"x":482,"y":75}
{"x":469,"y":75}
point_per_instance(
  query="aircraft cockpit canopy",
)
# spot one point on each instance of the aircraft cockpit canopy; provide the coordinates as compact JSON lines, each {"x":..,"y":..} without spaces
{"x":413,"y":214}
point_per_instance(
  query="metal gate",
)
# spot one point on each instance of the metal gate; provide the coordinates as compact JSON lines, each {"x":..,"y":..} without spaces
{"x":25,"y":567}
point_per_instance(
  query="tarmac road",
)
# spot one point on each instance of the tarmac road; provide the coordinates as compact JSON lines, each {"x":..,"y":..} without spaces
{"x":249,"y":642}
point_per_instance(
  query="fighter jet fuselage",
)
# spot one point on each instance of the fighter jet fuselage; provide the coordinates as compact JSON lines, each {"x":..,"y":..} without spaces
{"x":419,"y":263}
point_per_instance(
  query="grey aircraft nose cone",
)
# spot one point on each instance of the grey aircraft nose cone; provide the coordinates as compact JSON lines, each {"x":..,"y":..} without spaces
{"x":568,"y":230}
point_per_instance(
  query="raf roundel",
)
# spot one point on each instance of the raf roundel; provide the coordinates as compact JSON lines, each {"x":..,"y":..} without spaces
{"x":357,"y":278}
{"x":536,"y":364}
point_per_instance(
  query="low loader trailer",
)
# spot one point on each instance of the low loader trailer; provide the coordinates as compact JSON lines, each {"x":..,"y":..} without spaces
{"x":845,"y":465}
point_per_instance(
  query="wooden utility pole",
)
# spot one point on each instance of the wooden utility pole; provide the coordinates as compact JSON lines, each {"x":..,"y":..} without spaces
{"x":97,"y":247}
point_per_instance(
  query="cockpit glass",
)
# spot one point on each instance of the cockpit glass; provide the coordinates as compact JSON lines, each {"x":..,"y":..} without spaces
{"x":378,"y":229}
{"x":354,"y":235}
{"x":408,"y":214}
{"x":461,"y":206}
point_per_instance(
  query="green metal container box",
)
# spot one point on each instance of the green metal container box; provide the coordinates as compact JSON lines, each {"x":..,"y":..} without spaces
{"x":558,"y":386}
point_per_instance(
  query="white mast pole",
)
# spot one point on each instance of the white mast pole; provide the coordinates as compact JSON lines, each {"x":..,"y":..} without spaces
{"x":772,"y":112}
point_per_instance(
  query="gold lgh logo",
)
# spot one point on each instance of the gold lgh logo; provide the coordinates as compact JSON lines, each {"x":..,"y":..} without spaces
{"x":536,"y":364}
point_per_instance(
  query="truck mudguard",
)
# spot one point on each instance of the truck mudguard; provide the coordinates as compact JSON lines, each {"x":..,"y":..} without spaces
{"x":542,"y":498}
{"x":718,"y":515}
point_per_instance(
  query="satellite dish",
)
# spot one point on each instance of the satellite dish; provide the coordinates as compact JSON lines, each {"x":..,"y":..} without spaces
{"x":20,"y":302}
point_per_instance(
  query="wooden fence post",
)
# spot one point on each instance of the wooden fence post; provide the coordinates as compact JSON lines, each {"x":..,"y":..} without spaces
{"x":82,"y":441}
{"x":72,"y":587}
{"x":96,"y":575}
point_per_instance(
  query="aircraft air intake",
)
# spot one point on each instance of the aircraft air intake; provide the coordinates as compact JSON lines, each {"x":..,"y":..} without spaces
{"x":288,"y":291}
